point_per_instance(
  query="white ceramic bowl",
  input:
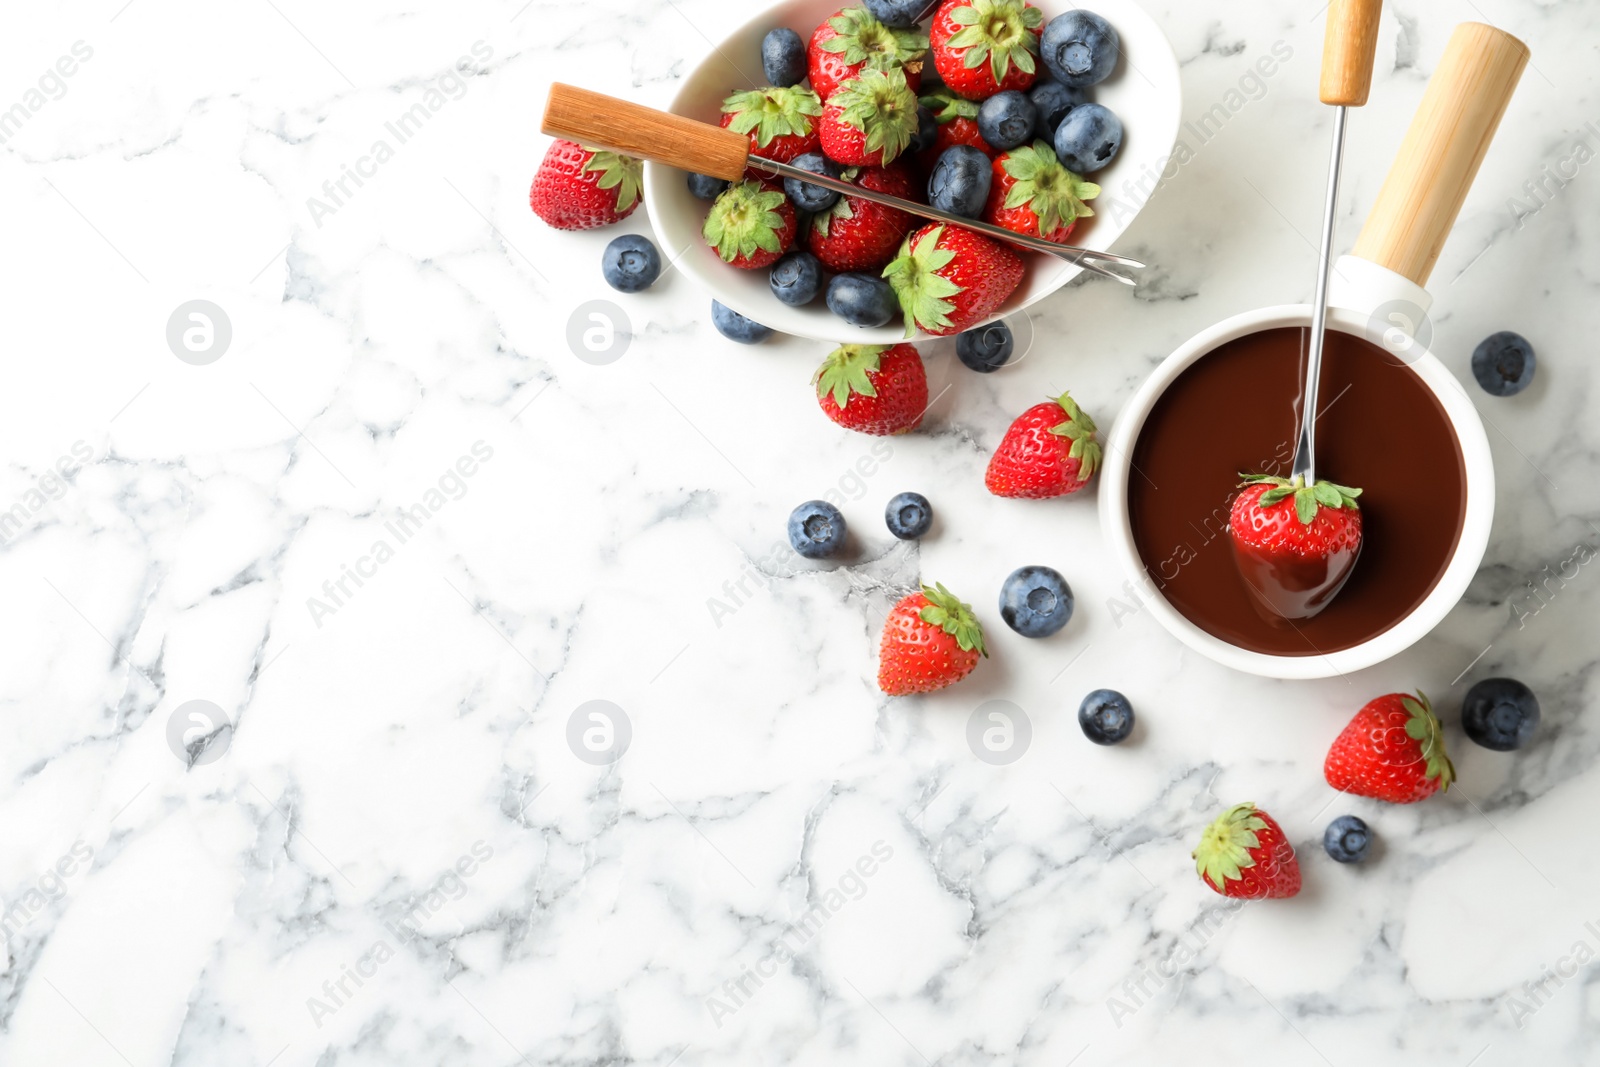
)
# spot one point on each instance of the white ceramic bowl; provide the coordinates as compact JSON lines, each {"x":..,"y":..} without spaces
{"x":1118,"y":530}
{"x":1144,"y":92}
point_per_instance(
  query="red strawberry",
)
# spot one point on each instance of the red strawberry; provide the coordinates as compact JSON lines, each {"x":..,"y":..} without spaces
{"x":852,"y":40}
{"x":958,"y":124}
{"x":870,"y":119}
{"x":949,"y":279}
{"x":577,"y":188}
{"x":1245,"y":854}
{"x":1049,"y":451}
{"x":1034,"y":194}
{"x":931,"y":640}
{"x":859,"y":235}
{"x":781,"y":122}
{"x":874,"y":389}
{"x":982,"y":47}
{"x":751,"y":225}
{"x":1295,"y":544}
{"x":1393,"y":750}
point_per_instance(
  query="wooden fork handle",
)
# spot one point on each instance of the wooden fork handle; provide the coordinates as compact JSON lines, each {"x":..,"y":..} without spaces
{"x":1461,"y":109}
{"x":599,"y":121}
{"x":1348,"y":50}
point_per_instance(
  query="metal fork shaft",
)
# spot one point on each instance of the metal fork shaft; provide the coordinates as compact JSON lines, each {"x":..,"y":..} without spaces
{"x":1087,"y":258}
{"x":1305,"y":450}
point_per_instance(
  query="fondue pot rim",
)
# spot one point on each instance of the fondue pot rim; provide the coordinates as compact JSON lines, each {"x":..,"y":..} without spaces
{"x":1446,"y":593}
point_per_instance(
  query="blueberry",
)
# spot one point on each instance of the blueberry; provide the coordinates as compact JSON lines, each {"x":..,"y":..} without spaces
{"x":1088,"y":138}
{"x":808,"y":197}
{"x":1035,"y":601}
{"x":901,"y":14}
{"x":816,"y":529}
{"x":1500,"y":713}
{"x":735,"y":327}
{"x":959,"y":183}
{"x":797,"y":278}
{"x":862,"y":300}
{"x":630,"y":263}
{"x":783,"y":58}
{"x":1503,"y":363}
{"x":1006,"y":120}
{"x":1079,"y":48}
{"x":909,"y":515}
{"x":927,"y":131}
{"x":1106,"y":717}
{"x":1052,"y":101}
{"x":705,"y":187}
{"x":1347,"y":839}
{"x":985,"y":349}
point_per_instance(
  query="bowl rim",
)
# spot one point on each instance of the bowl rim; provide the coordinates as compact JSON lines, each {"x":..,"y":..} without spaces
{"x":657,"y":175}
{"x":1477,"y":520}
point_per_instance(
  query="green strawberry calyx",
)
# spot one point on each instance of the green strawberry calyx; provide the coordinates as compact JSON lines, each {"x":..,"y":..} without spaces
{"x":1307,"y":498}
{"x":882,"y":106}
{"x":1423,"y":727}
{"x":744,"y":220}
{"x":622,"y":173}
{"x":947,"y":106}
{"x":848,"y":372}
{"x":841,"y":209}
{"x":1225,"y":845}
{"x":946,"y":611}
{"x":772,"y":113}
{"x":1001,"y":31}
{"x":863,"y":39}
{"x":1079,"y":429}
{"x":1052,"y":192}
{"x":916,"y":280}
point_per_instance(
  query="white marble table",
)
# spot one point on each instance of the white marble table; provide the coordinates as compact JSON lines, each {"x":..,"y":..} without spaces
{"x":393,"y":856}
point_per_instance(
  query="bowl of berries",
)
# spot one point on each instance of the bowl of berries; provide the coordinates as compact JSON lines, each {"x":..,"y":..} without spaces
{"x":1051,"y":121}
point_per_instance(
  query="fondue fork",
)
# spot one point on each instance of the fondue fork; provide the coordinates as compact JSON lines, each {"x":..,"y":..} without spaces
{"x":1347,"y":53}
{"x":602,"y":121}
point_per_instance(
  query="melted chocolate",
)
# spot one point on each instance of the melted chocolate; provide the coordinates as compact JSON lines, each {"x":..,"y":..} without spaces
{"x":1236,"y":409}
{"x":1290,"y":588}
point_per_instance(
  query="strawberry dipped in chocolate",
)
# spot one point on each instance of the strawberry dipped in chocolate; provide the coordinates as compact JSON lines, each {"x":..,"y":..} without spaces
{"x":1295,"y":544}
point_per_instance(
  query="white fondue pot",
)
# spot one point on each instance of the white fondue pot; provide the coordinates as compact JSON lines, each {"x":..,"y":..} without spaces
{"x":1377,"y":293}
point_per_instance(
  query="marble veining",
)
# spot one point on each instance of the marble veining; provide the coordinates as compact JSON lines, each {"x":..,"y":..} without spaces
{"x":401,"y":539}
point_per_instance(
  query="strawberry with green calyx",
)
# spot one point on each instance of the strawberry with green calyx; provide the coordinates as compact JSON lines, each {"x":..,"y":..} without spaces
{"x":578,"y":188}
{"x":874,"y":389}
{"x":869,"y":120}
{"x":1393,"y":750}
{"x":781,"y":123}
{"x":861,"y":235}
{"x":1308,"y":499}
{"x":751,"y":225}
{"x":1032,"y":193}
{"x":957,"y":122}
{"x":949,"y":278}
{"x":947,"y":106}
{"x":1049,"y":451}
{"x":1245,"y":854}
{"x":982,"y":47}
{"x":930,"y":640}
{"x":852,"y":40}
{"x":1295,"y":544}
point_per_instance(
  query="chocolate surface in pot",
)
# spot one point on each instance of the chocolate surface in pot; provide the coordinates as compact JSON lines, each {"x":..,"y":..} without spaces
{"x":1236,"y":409}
